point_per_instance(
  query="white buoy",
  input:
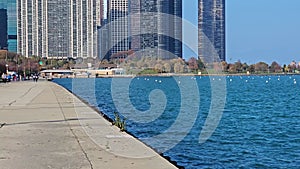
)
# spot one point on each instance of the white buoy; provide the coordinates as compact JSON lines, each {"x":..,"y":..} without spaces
{"x":230,"y":80}
{"x":267,"y":81}
{"x":160,"y":81}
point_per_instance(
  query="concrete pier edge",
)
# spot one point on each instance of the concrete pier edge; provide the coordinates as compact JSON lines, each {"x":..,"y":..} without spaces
{"x":127,"y":132}
{"x":40,"y":128}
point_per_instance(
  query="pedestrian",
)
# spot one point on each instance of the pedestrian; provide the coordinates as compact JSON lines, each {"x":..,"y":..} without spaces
{"x":3,"y":77}
{"x":36,"y":77}
{"x":8,"y":78}
{"x":33,"y":77}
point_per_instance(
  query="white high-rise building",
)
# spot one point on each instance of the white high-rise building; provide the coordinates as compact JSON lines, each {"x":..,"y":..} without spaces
{"x":58,"y":28}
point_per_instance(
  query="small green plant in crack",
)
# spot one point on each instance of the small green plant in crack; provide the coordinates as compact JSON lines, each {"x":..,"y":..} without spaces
{"x":120,"y":123}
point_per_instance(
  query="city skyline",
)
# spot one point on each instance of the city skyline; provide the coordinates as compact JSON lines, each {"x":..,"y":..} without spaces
{"x":46,"y":30}
{"x":245,"y":40}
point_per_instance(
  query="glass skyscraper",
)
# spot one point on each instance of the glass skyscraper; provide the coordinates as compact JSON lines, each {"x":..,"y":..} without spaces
{"x":3,"y":29}
{"x":150,"y":20}
{"x":211,"y":23}
{"x":118,"y":28}
{"x":11,"y":11}
{"x":58,"y":28}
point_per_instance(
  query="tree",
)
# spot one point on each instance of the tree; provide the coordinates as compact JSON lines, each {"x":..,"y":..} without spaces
{"x":201,"y":65}
{"x":158,"y":67}
{"x":289,"y":68}
{"x":224,"y":66}
{"x":232,"y":68}
{"x":245,"y":67}
{"x":293,"y":66}
{"x":251,"y":68}
{"x":284,"y":68}
{"x":238,"y":66}
{"x":298,"y":66}
{"x":275,"y":67}
{"x":104,"y":61}
{"x":178,"y":68}
{"x":261,"y":67}
{"x":192,"y":63}
{"x":140,"y":63}
{"x":167,"y":67}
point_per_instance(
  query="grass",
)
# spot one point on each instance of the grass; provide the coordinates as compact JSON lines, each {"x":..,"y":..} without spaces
{"x":120,"y":123}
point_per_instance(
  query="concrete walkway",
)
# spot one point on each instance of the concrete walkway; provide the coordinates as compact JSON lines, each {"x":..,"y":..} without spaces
{"x":44,"y":126}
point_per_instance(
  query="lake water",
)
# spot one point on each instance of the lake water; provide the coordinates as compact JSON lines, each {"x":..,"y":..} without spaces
{"x":259,"y":128}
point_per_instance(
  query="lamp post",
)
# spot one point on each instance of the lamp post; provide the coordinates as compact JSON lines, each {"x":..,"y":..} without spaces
{"x":6,"y":65}
{"x":6,"y":69}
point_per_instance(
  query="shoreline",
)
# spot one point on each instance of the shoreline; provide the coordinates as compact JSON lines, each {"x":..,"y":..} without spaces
{"x":183,"y":74}
{"x":127,"y":132}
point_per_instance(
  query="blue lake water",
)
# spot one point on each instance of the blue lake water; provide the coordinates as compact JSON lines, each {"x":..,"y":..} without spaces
{"x":259,"y":128}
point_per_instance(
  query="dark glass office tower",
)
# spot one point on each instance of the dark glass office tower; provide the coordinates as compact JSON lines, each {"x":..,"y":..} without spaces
{"x":11,"y":11}
{"x":211,"y":21}
{"x":118,"y":29}
{"x":3,"y":29}
{"x":149,"y":28}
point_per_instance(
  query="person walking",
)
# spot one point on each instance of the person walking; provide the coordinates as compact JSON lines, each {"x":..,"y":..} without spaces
{"x":3,"y":77}
{"x":35,"y":77}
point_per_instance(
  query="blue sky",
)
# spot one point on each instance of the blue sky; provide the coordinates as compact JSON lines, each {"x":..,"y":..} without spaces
{"x":258,"y":30}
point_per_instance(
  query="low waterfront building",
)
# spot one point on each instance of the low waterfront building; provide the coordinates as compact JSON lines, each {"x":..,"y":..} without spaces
{"x":55,"y":73}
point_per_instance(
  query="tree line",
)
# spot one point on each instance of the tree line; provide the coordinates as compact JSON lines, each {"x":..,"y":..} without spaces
{"x":135,"y":65}
{"x":239,"y":67}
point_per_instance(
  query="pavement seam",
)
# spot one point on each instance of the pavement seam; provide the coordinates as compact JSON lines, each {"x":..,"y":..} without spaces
{"x":1,"y":125}
{"x":11,"y":103}
{"x":73,"y":133}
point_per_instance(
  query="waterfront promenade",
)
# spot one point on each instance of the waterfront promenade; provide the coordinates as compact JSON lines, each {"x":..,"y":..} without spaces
{"x":45,"y":126}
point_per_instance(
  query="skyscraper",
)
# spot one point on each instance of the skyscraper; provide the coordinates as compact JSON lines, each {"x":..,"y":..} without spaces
{"x":58,"y":28}
{"x":3,"y":29}
{"x":211,"y":22}
{"x":11,"y":12}
{"x":118,"y":28}
{"x":150,"y":19}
